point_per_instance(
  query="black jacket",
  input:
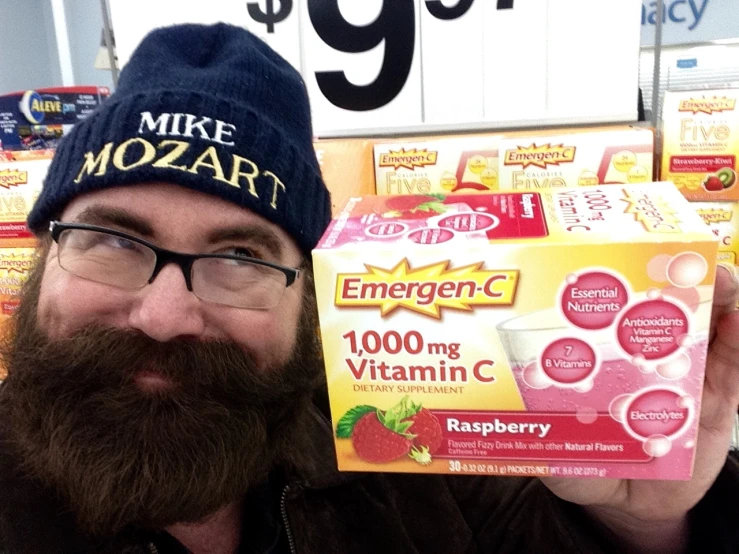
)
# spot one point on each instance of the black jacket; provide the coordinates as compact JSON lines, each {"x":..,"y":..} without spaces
{"x":322,"y":511}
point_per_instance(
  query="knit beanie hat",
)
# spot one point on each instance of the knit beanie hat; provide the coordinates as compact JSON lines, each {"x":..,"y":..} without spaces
{"x":211,"y":108}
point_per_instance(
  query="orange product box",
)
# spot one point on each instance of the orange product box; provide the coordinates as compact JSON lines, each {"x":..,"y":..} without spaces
{"x":723,"y":219}
{"x":347,"y":168}
{"x":525,"y":160}
{"x":21,"y":178}
{"x":586,"y":157}
{"x":559,"y":332}
{"x":700,"y":143}
{"x":15,"y":264}
{"x":457,"y":164}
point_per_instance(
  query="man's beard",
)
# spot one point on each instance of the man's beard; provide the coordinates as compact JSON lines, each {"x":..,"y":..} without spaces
{"x":123,"y":457}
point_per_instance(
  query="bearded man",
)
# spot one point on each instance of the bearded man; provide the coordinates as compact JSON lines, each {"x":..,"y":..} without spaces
{"x":164,"y":390}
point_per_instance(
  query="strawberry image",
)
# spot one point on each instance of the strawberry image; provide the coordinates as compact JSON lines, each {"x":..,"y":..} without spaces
{"x":382,"y":437}
{"x":418,"y":206}
{"x":374,"y":442}
{"x":427,"y":429}
{"x":418,"y":214}
{"x":713,"y":184}
{"x":409,"y":202}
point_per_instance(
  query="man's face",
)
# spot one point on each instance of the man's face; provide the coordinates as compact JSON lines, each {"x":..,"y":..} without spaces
{"x":178,"y":219}
{"x":151,"y":407}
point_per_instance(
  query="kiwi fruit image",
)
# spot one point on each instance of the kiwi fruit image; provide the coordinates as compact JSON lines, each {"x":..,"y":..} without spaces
{"x":727,"y":176}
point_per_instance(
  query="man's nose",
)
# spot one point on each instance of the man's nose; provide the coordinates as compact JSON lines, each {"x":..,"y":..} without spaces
{"x":166,"y":310}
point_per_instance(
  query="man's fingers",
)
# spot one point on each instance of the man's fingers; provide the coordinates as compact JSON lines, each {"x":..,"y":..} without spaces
{"x":725,"y":295}
{"x":721,"y":394}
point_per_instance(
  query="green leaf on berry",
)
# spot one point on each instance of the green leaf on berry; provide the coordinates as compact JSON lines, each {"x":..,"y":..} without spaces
{"x":397,"y":418}
{"x":437,"y":207}
{"x":346,"y":424}
{"x":420,"y":455}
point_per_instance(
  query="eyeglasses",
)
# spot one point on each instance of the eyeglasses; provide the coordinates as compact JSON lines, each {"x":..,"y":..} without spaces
{"x":120,"y":260}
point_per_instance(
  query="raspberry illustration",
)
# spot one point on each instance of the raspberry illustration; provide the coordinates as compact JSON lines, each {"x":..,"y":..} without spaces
{"x":376,"y":443}
{"x":407,"y":203}
{"x":419,"y":206}
{"x":427,"y":429}
{"x":382,"y":437}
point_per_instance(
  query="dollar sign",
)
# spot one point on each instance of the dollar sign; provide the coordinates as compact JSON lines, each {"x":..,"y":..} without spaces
{"x":270,"y":18}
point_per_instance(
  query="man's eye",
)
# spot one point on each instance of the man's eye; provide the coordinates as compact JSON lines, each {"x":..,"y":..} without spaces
{"x":240,"y":251}
{"x":112,"y":241}
{"x":120,"y":242}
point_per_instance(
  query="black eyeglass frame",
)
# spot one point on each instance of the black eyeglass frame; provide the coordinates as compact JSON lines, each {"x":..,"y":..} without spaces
{"x":164,"y":256}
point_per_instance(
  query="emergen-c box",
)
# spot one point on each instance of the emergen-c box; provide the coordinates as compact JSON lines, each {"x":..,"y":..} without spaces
{"x":22,"y":176}
{"x":700,"y":143}
{"x":723,"y":219}
{"x":461,"y":164}
{"x":526,"y":160}
{"x":586,"y":157}
{"x":560,"y":332}
{"x":15,"y":265}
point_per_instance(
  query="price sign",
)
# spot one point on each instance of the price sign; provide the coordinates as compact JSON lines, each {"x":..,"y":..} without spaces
{"x":515,"y":46}
{"x":362,"y":63}
{"x":453,"y":60}
{"x":274,"y":21}
{"x":414,"y":66}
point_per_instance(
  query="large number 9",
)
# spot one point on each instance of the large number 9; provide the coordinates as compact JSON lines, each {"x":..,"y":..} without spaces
{"x":440,"y":11}
{"x":396,"y":25}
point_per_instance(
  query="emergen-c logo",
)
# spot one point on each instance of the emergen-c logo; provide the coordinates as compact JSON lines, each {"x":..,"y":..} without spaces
{"x":656,"y":215}
{"x":21,"y":264}
{"x":708,"y":105}
{"x":716,"y":215}
{"x":408,"y":158}
{"x":13,"y":177}
{"x":426,"y":290}
{"x":540,"y":156}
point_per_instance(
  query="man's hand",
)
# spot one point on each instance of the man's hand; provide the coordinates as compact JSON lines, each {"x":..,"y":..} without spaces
{"x":651,"y":515}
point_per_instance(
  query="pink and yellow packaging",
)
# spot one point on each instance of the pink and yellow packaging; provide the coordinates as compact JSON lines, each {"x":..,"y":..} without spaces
{"x":21,"y":178}
{"x":15,"y":265}
{"x":723,"y":219}
{"x":526,"y":160}
{"x":553,"y":333}
{"x":700,"y":143}
{"x":462,"y":165}
{"x":585,"y":158}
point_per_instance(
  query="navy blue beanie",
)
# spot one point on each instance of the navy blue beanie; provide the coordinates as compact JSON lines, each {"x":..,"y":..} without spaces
{"x":211,"y":108}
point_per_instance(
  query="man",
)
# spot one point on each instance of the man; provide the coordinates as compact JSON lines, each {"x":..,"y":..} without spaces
{"x":164,"y":391}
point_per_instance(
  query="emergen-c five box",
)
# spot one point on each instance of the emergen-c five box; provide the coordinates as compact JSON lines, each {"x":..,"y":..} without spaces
{"x":559,"y":332}
{"x":700,"y":143}
{"x":525,"y":160}
{"x":22,"y":176}
{"x":723,"y":219}
{"x":586,"y":157}
{"x":462,"y":164}
{"x":15,"y":265}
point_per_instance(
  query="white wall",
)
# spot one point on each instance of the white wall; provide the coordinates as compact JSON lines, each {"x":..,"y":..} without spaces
{"x":28,"y":56}
{"x":85,"y":26}
{"x":717,"y":66}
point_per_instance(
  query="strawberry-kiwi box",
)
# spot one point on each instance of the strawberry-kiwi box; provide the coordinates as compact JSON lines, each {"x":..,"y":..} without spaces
{"x":552,"y":333}
{"x":700,"y":143}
